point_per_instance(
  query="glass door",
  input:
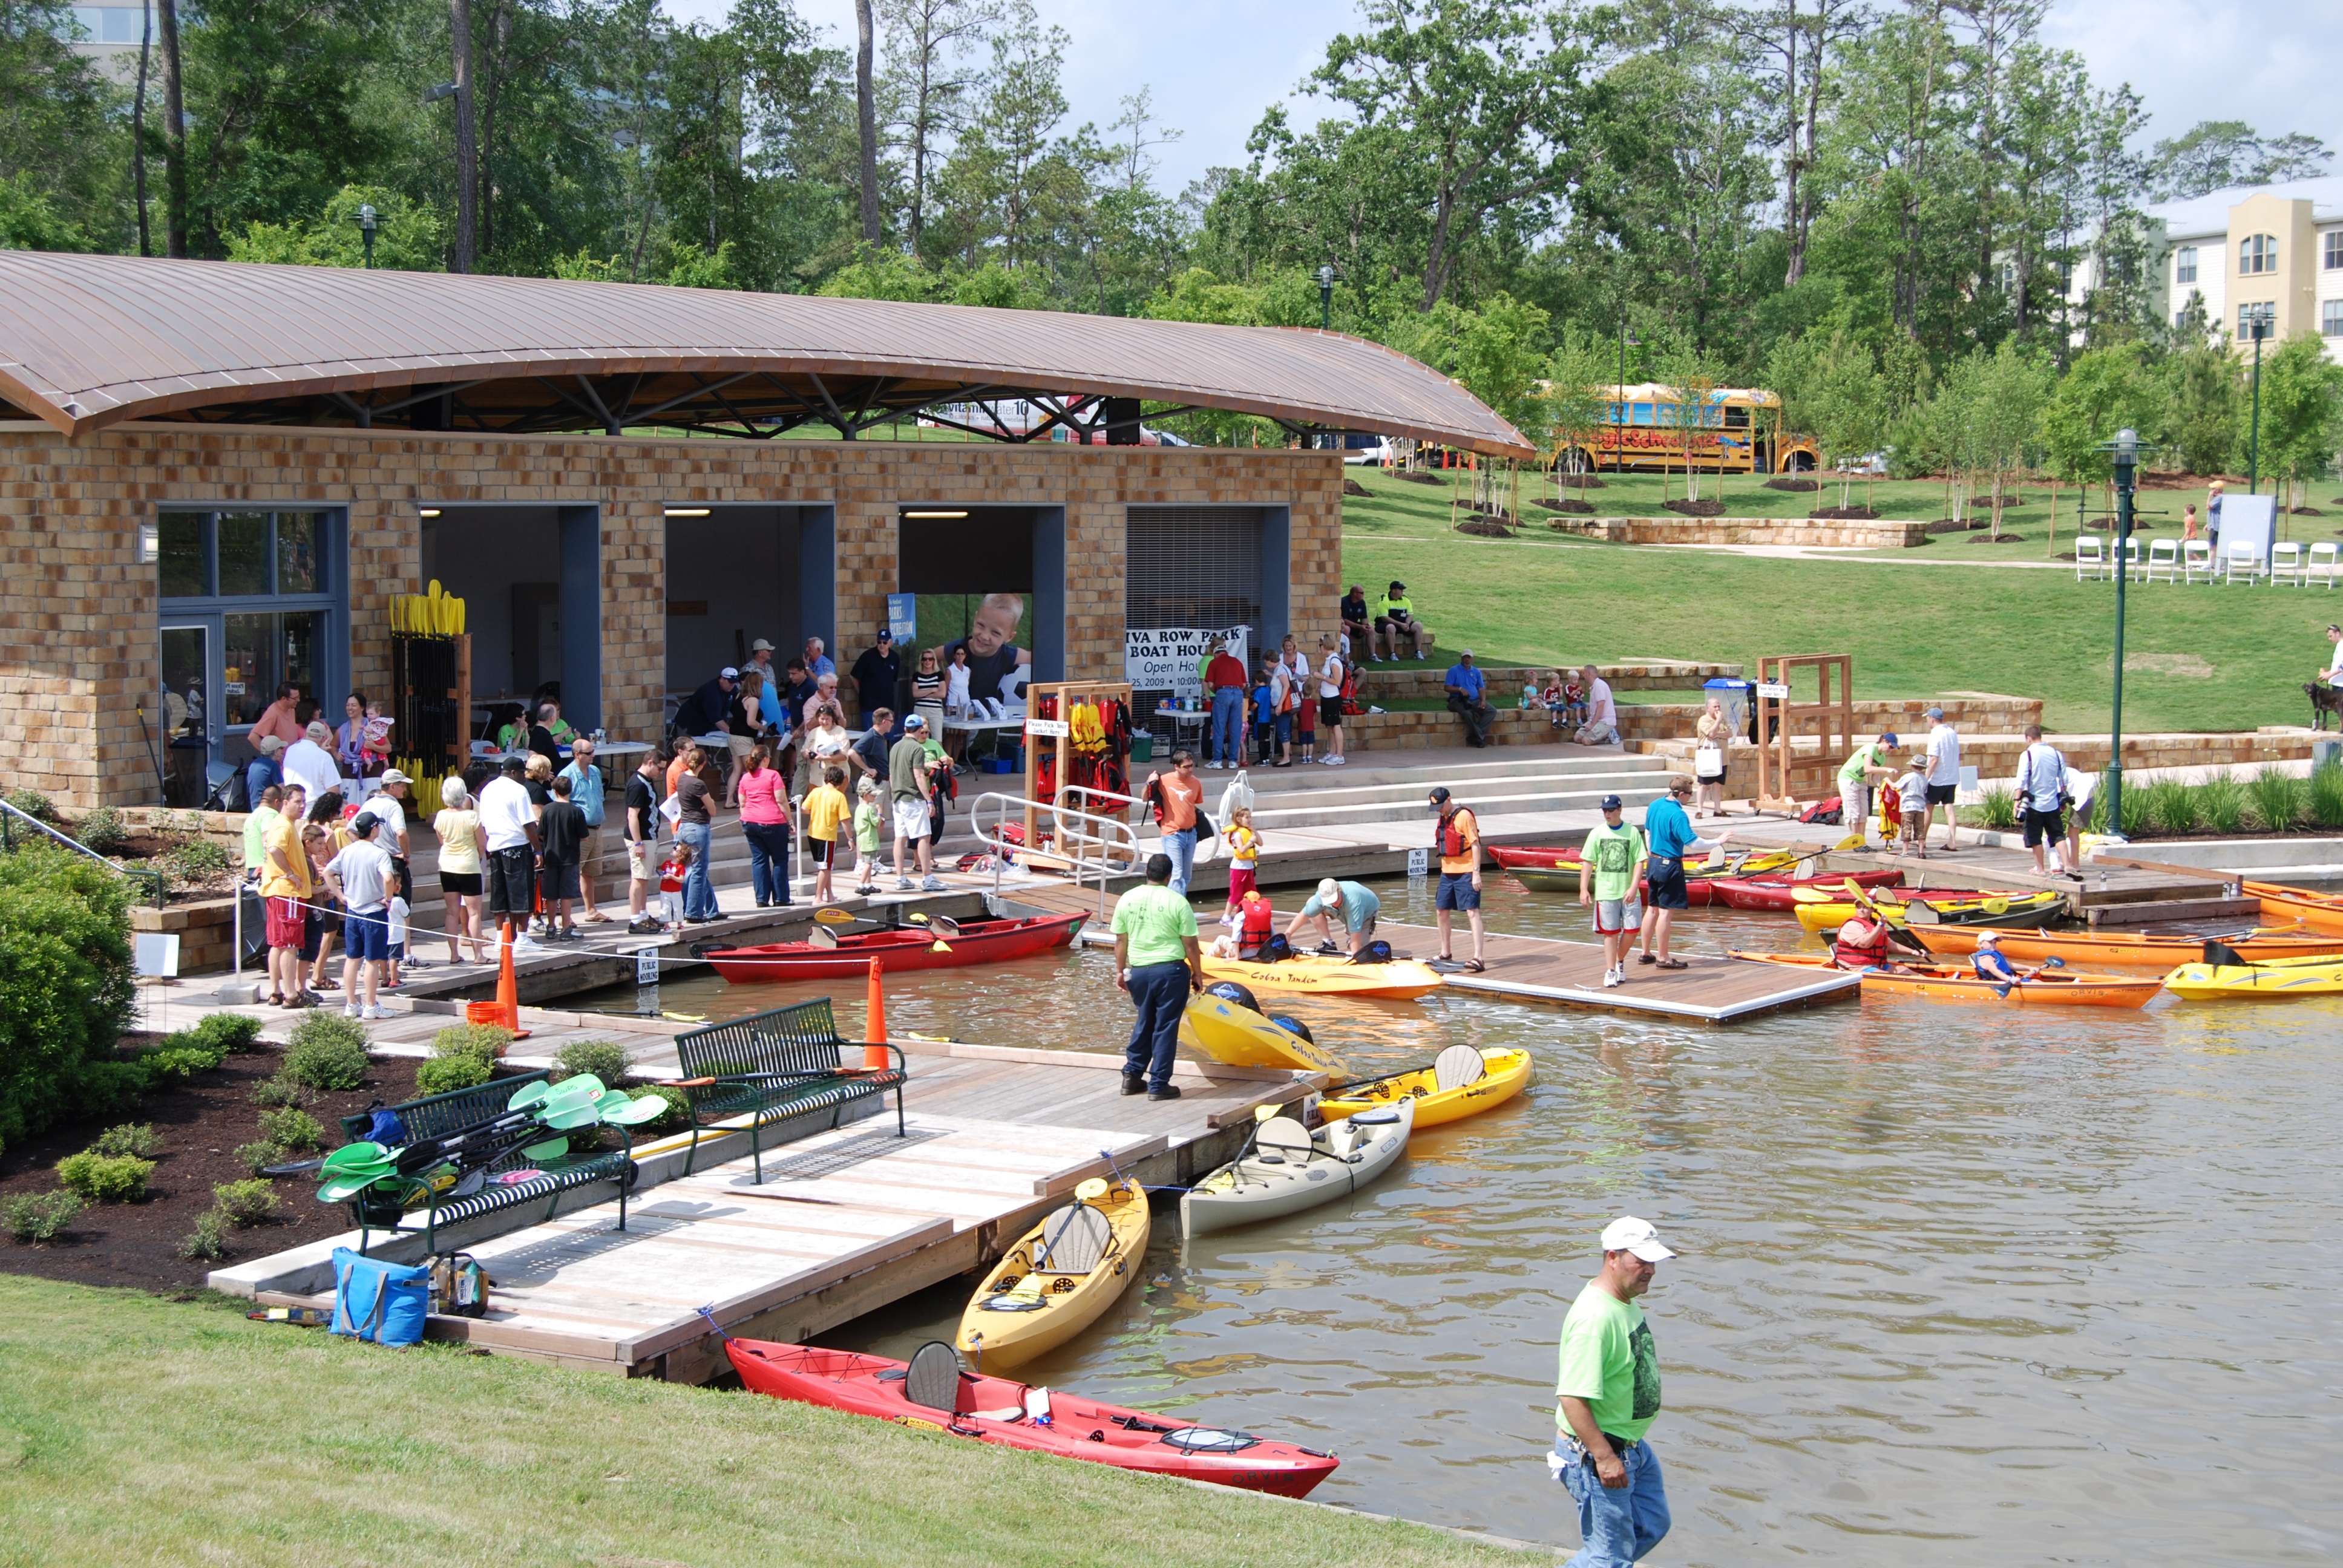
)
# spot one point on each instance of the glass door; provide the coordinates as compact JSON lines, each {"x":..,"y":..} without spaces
{"x":190,"y":711}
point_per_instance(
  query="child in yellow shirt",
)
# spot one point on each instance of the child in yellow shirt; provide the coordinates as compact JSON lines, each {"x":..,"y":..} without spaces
{"x":826,"y":807}
{"x":1244,"y":858}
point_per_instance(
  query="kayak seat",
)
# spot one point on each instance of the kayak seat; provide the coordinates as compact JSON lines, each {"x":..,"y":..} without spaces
{"x":784,"y":1070}
{"x":1074,"y":1241}
{"x":1458,"y":1067}
{"x":933,"y":1380}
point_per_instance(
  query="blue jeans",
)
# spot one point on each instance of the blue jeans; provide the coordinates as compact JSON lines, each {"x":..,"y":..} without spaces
{"x":1619,"y":1525}
{"x":1159,"y":992}
{"x":699,"y":892}
{"x":768,"y":860}
{"x":1228,"y":726}
{"x":1182,"y":848}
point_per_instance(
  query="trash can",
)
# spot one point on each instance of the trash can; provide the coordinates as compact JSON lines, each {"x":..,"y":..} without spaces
{"x":1739,"y":700}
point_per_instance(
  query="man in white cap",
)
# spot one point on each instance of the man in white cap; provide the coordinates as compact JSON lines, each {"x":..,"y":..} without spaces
{"x":1606,"y":1396}
{"x":1352,"y":901}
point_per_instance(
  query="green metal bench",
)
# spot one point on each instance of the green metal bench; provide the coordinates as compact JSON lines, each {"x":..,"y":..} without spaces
{"x":778,"y":1066}
{"x":439,"y":1114}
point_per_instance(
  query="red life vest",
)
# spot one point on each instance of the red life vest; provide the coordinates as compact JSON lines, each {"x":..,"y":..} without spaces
{"x":1259,"y":920}
{"x":1453,"y":842}
{"x":1873,"y":951}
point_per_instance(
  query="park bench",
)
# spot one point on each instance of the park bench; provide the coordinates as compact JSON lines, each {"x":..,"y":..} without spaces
{"x":778,"y":1066}
{"x":436,"y":1115}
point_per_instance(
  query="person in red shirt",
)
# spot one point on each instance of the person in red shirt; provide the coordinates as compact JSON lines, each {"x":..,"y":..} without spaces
{"x":1224,"y":681}
{"x":1178,"y":796}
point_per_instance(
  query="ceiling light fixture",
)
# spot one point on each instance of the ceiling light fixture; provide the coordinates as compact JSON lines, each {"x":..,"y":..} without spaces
{"x":687,"y":511}
{"x":935,"y":514}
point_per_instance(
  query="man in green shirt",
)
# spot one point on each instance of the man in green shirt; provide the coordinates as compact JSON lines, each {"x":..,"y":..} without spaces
{"x":1866,"y":765}
{"x":1394,"y":620}
{"x":1614,"y":859}
{"x":907,"y":785}
{"x":1158,"y":961}
{"x":1606,"y":1396}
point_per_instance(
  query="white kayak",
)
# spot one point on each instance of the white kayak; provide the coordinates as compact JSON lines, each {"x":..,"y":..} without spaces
{"x":1292,"y":1168}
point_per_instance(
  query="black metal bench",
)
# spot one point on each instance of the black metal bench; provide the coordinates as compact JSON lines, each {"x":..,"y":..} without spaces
{"x":440,"y":1114}
{"x":778,"y":1066}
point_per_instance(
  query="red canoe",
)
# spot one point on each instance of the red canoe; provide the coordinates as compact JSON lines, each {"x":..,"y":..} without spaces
{"x":1016,"y":1415}
{"x":1778,"y":895}
{"x":911,"y":947}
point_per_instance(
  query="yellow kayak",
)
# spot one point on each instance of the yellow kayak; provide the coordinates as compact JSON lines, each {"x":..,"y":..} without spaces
{"x":1818,"y":915}
{"x":2270,"y":979}
{"x":1328,"y":974}
{"x":1460,"y":1082}
{"x":1223,"y":1030}
{"x":1057,"y":1279}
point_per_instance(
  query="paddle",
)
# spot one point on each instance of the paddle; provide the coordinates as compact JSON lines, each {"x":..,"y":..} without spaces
{"x":1895,"y":934}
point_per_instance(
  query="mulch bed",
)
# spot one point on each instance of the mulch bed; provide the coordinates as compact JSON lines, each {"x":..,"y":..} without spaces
{"x":2305,"y":512}
{"x":201,"y":1125}
{"x":1576,"y":509}
{"x":1582,"y":482}
{"x":1797,"y":487}
{"x":1842,"y":515}
{"x":1417,"y":479}
{"x":1486,"y":527}
{"x":1710,"y":508}
{"x":2004,"y":539}
{"x":1352,"y":488}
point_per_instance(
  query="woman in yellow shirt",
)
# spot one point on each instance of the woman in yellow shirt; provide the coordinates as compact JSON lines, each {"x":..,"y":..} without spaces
{"x":458,"y":827}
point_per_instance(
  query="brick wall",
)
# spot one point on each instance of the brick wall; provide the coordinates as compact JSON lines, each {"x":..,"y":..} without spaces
{"x":78,"y":612}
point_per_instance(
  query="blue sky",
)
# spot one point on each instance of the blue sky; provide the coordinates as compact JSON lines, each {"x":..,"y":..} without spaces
{"x":1214,"y":65}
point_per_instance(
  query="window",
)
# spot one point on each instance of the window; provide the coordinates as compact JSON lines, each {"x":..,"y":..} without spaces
{"x":254,"y":589}
{"x":2330,"y":317}
{"x":2258,"y":320}
{"x":2330,"y":249}
{"x":2184,"y":265}
{"x":2257,"y":254}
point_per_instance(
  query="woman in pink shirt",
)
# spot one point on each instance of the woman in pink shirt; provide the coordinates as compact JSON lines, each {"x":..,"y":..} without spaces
{"x":765,"y":823}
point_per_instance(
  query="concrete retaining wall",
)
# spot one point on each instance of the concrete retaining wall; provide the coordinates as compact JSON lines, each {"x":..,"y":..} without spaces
{"x":1884,"y":534}
{"x":1995,"y":757}
{"x":1411,"y":681}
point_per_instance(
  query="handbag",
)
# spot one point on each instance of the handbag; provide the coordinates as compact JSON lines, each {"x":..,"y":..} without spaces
{"x":384,"y":1303}
{"x":1708,"y":761}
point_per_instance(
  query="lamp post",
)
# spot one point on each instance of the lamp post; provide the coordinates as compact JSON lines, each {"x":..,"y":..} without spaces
{"x":1327,"y":276}
{"x":2254,"y":443}
{"x":366,"y":230}
{"x":2125,"y":448}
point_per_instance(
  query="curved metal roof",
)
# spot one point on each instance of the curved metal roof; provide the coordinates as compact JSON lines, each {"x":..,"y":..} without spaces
{"x":87,"y":341}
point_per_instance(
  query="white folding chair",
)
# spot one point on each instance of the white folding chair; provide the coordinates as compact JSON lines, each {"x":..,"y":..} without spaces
{"x":2241,"y":554}
{"x":2164,"y":555}
{"x":2131,"y":559}
{"x":2090,"y":557}
{"x":2196,"y":556}
{"x":2324,"y":558}
{"x":2286,"y":562}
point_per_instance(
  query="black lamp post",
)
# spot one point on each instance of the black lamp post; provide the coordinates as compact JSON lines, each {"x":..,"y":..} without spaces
{"x":2261,"y":324}
{"x":366,"y":230}
{"x":1327,"y":276}
{"x":2125,"y":448}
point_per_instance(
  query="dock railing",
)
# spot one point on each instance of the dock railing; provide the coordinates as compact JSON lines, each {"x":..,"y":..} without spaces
{"x":11,"y":818}
{"x":1085,"y":844}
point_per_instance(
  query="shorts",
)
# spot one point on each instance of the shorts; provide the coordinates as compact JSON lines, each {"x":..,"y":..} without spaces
{"x":1613,"y":916}
{"x":1599,"y":735}
{"x":912,"y":820}
{"x":1664,"y":878}
{"x":1456,"y":891}
{"x":366,"y":937}
{"x":1330,"y":713}
{"x":313,"y":936}
{"x":822,"y":852}
{"x":289,"y":924}
{"x":2043,"y":825}
{"x":1942,"y":794}
{"x":590,"y":850}
{"x":639,"y":858}
{"x":465,"y":882}
{"x":512,"y":881}
{"x":560,"y":878}
{"x":1240,"y":882}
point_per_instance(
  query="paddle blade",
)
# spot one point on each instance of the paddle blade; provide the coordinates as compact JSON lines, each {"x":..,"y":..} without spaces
{"x":551,"y":1148}
{"x":915,"y":918}
{"x":528,"y":1095}
{"x":1997,"y":906}
{"x":2225,"y":956}
{"x":830,"y":915}
{"x":2054,"y":962}
{"x":570,"y":1119}
{"x":636,"y":1112}
{"x":938,"y":948}
{"x":577,"y":1087}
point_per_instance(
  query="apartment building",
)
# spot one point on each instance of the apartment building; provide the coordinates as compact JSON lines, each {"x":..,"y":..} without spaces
{"x":2269,"y":253}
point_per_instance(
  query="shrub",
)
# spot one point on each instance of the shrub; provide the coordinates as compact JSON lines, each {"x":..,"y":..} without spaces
{"x":678,"y":1107}
{"x":2221,"y":801}
{"x":258,"y":1157}
{"x":102,"y":831}
{"x":2170,"y":804}
{"x":2327,"y":795}
{"x":277,"y":1090}
{"x":65,"y":990}
{"x":485,"y":1040}
{"x":105,"y":1178}
{"x":2135,"y":818}
{"x":33,"y":804}
{"x":245,"y":1202}
{"x":604,"y":1059}
{"x":2277,"y":797}
{"x":327,"y":1051}
{"x":292,"y":1129}
{"x":180,"y":1056}
{"x":197,"y":860}
{"x":1996,"y":807}
{"x":208,"y":1239}
{"x":38,"y":1216}
{"x":136,"y":1138}
{"x":447,"y":1074}
{"x":230,"y":1033}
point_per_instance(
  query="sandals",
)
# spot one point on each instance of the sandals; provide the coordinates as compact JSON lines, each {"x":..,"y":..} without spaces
{"x":1476,"y":965}
{"x":1673,"y":964}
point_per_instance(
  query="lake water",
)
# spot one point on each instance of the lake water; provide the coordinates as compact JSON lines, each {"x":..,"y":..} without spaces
{"x":1956,"y":1286}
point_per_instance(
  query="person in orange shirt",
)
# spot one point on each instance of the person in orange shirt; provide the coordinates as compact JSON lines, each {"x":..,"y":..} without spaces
{"x":1460,"y":874}
{"x":1178,"y":796}
{"x":280,"y":718}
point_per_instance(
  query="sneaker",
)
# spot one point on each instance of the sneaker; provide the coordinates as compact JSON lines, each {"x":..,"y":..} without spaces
{"x":1134,"y":1083}
{"x":1612,"y":978}
{"x":902,"y":884}
{"x":1169,"y":1091}
{"x":350,"y":1012}
{"x":379,"y":1012}
{"x":644,"y":926}
{"x":933,"y":885}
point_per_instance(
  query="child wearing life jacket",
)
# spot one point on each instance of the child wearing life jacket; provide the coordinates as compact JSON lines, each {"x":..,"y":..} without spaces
{"x":672,"y":872}
{"x":1245,"y":856}
{"x":1255,"y":924}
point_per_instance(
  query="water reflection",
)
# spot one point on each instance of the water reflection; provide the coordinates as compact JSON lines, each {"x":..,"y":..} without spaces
{"x":1956,"y":1286}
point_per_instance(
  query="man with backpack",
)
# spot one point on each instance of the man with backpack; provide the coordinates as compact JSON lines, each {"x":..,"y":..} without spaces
{"x":2042,"y":795}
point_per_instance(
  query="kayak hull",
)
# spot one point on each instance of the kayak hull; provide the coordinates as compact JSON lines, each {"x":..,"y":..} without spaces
{"x":1504,"y":1074}
{"x":1778,"y":895}
{"x":911,"y":948}
{"x":874,"y":1386}
{"x":2282,"y":905}
{"x":2123,"y":949}
{"x":1562,"y":877}
{"x":1213,"y":1027}
{"x":1324,"y":975}
{"x":1345,"y":1156}
{"x":2272,"y":982}
{"x":1941,"y":983}
{"x":1967,"y":910}
{"x":1066,"y":1303}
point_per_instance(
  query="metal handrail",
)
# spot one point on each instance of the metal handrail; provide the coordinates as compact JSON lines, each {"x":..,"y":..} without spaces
{"x":1111,"y":831}
{"x":10,"y":815}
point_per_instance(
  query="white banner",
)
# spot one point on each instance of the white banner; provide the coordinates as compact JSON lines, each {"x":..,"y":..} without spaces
{"x":1171,"y":658}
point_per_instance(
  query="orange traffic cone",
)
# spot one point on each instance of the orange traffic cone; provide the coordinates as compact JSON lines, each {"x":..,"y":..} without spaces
{"x":874,"y":1052}
{"x":504,"y":1011}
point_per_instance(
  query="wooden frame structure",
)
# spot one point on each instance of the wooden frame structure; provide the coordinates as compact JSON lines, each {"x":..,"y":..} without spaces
{"x":1781,"y":720}
{"x":1068,"y":693}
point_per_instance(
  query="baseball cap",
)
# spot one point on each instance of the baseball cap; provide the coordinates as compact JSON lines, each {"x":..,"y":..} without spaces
{"x":1988,"y":938}
{"x":1629,"y":1235}
{"x":1330,"y":891}
{"x":1890,"y":737}
{"x":915,"y":722}
{"x":393,"y":776}
{"x":886,"y":634}
{"x":1440,"y":793}
{"x":761,"y":646}
{"x":727,"y":673}
{"x":1934,"y":713}
{"x":1399,"y":588}
{"x":1612,"y":803}
{"x":268,"y":745}
{"x":1464,"y":653}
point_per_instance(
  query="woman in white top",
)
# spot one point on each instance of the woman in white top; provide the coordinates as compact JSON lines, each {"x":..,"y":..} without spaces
{"x":1330,"y":702}
{"x":826,"y":742}
{"x":956,"y":693}
{"x":458,"y":828}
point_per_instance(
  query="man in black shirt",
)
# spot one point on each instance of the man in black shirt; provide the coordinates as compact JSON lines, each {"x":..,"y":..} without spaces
{"x":715,"y":706}
{"x":1354,"y":620}
{"x":875,"y":675}
{"x":562,"y":839}
{"x":642,"y":840}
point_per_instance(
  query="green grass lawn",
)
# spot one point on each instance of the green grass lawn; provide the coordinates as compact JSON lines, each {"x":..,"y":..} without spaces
{"x":138,"y":1429}
{"x":2197,"y":658}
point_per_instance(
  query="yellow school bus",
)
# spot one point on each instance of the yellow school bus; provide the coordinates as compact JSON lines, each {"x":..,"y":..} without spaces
{"x":1740,"y":432}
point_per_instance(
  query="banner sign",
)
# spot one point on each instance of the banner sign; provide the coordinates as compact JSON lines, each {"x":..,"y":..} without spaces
{"x":1171,"y":658}
{"x":903,"y":618}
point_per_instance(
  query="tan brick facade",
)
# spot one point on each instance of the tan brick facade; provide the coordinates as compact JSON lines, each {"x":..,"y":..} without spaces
{"x":78,"y":612}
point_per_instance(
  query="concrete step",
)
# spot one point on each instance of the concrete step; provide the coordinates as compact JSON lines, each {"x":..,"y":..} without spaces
{"x":1334,"y":808}
{"x":1442,"y":769}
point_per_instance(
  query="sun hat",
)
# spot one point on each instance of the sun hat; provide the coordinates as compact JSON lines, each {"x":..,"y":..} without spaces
{"x":1629,"y":1235}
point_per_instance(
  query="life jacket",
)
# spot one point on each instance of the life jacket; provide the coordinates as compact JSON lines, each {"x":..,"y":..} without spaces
{"x":1875,"y":950}
{"x":1453,"y":842}
{"x":2001,"y":973}
{"x":1260,"y":919}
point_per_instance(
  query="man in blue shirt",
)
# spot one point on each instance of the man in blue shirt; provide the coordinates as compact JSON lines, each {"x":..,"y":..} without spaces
{"x":585,"y":794}
{"x":1669,"y":829}
{"x":1465,"y":685}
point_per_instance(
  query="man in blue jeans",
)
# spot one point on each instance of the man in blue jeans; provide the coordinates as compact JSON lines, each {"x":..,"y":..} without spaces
{"x":1466,"y":685}
{"x":1158,"y":961}
{"x":1224,"y":684}
{"x":1606,"y":1396}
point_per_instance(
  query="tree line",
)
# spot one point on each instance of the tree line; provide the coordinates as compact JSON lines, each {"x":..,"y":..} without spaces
{"x":1887,"y":211}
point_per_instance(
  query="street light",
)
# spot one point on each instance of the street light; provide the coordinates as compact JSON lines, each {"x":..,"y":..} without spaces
{"x":1327,"y":276}
{"x":2258,"y":318}
{"x":366,"y":229}
{"x":2125,"y":449}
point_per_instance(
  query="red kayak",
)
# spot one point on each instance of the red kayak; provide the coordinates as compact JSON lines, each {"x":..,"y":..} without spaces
{"x":1533,"y":860}
{"x":909,"y":947}
{"x":1778,"y":895}
{"x":931,"y":1391}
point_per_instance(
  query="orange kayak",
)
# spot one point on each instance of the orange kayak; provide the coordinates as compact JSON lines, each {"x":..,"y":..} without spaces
{"x":2320,"y":911}
{"x":1941,"y":982}
{"x":2136,"y":949}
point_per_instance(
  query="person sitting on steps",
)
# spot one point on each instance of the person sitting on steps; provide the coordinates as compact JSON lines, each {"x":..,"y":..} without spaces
{"x":1394,"y":620}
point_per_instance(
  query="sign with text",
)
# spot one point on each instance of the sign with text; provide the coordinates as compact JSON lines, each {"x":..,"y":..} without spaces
{"x":903,"y":618}
{"x":1046,"y":728}
{"x":1778,"y":692}
{"x":1419,"y":862}
{"x":647,"y":966}
{"x":1171,"y":658}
